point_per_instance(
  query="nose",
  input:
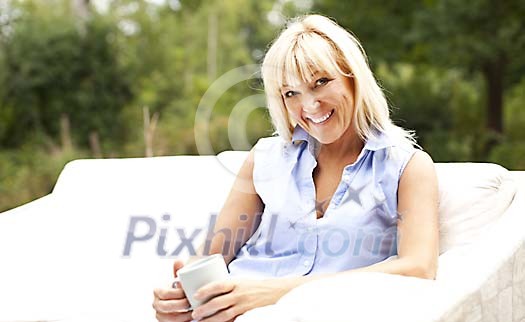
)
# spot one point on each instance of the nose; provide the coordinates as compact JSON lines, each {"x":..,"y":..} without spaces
{"x":310,"y":103}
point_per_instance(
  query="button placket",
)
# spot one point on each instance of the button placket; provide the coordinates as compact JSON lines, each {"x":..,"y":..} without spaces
{"x":342,"y":188}
{"x":349,"y":174}
{"x":309,"y":193}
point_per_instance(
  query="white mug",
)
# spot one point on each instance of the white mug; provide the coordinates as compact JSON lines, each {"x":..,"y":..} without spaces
{"x":199,"y":273}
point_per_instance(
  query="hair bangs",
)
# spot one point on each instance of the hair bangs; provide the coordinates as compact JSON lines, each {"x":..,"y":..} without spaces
{"x":308,"y":57}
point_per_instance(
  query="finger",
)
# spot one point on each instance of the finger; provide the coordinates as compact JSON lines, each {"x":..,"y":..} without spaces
{"x":180,"y":317}
{"x":169,"y":293}
{"x":178,"y":264}
{"x":216,"y":304}
{"x":214,"y":289}
{"x":171,"y":306}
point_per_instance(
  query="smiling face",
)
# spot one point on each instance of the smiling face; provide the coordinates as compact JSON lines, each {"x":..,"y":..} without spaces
{"x":323,"y":106}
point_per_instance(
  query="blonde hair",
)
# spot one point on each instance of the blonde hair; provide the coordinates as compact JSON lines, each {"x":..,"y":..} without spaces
{"x":316,"y":43}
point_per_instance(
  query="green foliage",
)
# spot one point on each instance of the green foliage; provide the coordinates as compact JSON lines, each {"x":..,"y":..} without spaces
{"x":101,"y":72}
{"x":383,"y":27}
{"x":439,"y":104}
{"x":515,"y":112}
{"x":30,"y":172}
{"x":474,"y":33}
{"x":511,"y":152}
{"x":53,"y":69}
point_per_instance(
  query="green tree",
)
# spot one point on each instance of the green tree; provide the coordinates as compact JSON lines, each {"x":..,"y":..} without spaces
{"x":176,"y":54}
{"x":383,"y":27}
{"x":484,"y":36}
{"x":52,"y":69}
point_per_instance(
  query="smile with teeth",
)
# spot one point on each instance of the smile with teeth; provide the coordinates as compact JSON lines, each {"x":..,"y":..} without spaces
{"x":322,"y":118}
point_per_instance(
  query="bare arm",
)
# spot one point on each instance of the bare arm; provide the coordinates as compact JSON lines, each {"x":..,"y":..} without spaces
{"x":236,"y":222}
{"x":239,"y":216}
{"x":418,"y":227}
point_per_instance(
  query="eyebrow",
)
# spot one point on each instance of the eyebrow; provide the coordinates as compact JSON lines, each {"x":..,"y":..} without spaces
{"x":312,"y":76}
{"x":315,"y":74}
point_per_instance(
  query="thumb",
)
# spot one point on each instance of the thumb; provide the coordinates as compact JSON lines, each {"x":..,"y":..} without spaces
{"x":178,"y":264}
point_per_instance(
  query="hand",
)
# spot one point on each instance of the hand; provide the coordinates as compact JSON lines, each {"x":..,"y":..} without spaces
{"x":232,"y":298}
{"x":170,"y":303}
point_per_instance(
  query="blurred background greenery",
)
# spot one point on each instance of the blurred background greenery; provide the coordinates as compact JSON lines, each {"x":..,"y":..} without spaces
{"x":123,"y":78}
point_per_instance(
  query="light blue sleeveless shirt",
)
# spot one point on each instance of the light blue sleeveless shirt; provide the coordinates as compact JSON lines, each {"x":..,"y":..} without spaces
{"x":359,"y":227}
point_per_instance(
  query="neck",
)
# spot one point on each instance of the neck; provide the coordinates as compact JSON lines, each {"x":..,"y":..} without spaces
{"x":343,"y":151}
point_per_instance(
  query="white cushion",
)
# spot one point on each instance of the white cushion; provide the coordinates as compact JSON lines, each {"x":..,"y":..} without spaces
{"x":471,"y":197}
{"x":70,"y":252}
{"x":363,"y":297}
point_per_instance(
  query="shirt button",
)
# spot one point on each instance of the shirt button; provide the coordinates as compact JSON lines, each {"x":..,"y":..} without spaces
{"x":306,"y":263}
{"x":346,"y":178}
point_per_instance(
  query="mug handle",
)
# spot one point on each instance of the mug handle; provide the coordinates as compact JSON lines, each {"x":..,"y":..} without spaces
{"x":174,"y":285}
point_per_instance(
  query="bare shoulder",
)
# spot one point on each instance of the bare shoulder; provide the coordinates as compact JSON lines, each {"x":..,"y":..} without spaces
{"x":244,"y":179}
{"x":248,"y":162}
{"x":421,"y":164}
{"x":419,"y":177}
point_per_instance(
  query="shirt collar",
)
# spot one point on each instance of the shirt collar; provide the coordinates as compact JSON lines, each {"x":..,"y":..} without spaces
{"x":299,"y":134}
{"x":378,"y":140}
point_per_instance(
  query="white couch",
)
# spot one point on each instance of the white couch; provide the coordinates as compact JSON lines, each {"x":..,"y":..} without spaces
{"x":64,"y":256}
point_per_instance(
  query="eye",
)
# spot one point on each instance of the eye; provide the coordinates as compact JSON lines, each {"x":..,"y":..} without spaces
{"x":289,"y":94}
{"x":322,"y":81}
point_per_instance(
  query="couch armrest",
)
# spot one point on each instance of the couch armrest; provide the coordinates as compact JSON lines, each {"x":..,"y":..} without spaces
{"x":488,"y":277}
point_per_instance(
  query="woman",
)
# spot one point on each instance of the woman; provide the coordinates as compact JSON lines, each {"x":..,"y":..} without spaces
{"x":340,"y":189}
